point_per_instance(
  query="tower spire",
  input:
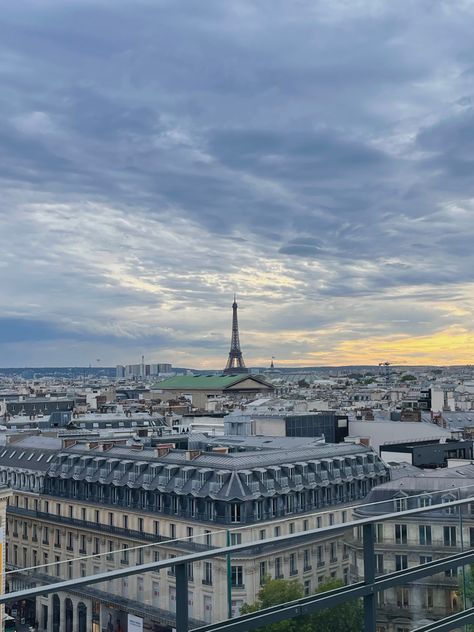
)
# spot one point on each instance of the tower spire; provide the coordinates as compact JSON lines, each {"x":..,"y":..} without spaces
{"x":235,"y":362}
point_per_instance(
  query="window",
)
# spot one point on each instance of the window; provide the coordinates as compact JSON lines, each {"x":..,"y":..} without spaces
{"x":235,"y":512}
{"x":156,"y":527}
{"x":139,"y":556}
{"x":125,"y":521}
{"x":278,"y":568}
{"x":262,"y":572}
{"x":175,"y":504}
{"x":207,"y":579}
{"x":401,"y":533}
{"x":333,"y":551}
{"x":379,"y":532}
{"x":471,"y":537}
{"x":379,"y":563}
{"x":425,"y":501}
{"x":306,"y":560}
{"x":449,"y":535}
{"x":237,"y":576}
{"x":58,"y":509}
{"x":277,"y":532}
{"x":97,"y":516}
{"x":208,"y":536}
{"x":401,"y":504}
{"x":190,"y":572}
{"x":305,"y":525}
{"x":291,"y":527}
{"x":235,"y":538}
{"x":96,"y":546}
{"x":82,"y":548}
{"x":401,"y":562}
{"x":402,"y":597}
{"x":110,"y":548}
{"x":70,"y":510}
{"x":425,"y":559}
{"x":428,"y":597}
{"x":293,"y":564}
{"x":125,"y":557}
{"x":45,"y":535}
{"x":425,"y":534}
{"x":307,"y":587}
{"x":262,"y":534}
{"x":57,"y":539}
{"x":172,"y":531}
{"x":111,"y":519}
{"x":140,"y":524}
{"x":320,"y":555}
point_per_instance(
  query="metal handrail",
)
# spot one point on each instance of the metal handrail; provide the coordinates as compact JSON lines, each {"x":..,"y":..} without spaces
{"x":365,"y":589}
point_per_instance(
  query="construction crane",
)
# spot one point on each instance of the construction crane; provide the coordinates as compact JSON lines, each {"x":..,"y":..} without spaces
{"x":386,"y":366}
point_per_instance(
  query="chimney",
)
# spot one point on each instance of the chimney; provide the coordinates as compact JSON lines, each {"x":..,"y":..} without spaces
{"x":221,"y":450}
{"x":164,"y":448}
{"x":192,"y":454}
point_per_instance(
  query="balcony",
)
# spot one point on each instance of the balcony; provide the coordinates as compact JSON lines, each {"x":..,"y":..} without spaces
{"x":368,"y":589}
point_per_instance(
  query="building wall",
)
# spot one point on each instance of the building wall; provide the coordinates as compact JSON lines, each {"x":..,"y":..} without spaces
{"x":52,"y":531}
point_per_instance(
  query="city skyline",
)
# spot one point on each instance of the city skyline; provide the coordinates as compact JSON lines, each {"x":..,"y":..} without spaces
{"x":315,"y":159}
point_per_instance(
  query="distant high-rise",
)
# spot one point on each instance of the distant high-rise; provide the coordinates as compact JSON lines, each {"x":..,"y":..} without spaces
{"x":235,"y":362}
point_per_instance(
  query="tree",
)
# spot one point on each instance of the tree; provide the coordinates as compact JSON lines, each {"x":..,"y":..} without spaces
{"x":347,"y":617}
{"x":272,"y":593}
{"x":407,"y":378}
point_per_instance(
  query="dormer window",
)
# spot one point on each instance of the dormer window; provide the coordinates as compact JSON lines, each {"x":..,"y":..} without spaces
{"x":425,"y":500}
{"x":401,"y":503}
{"x":447,"y":499}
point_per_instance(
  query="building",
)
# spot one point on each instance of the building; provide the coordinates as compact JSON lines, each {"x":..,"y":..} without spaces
{"x":413,"y":540}
{"x":5,"y":495}
{"x":332,"y":426}
{"x":83,"y":507}
{"x":33,"y":406}
{"x":428,"y":453}
{"x":201,"y":389}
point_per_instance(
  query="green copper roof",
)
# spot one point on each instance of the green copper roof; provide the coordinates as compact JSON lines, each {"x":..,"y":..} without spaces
{"x":202,"y":382}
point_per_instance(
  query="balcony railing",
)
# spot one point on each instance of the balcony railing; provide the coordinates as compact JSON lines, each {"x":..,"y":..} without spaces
{"x":366,"y":589}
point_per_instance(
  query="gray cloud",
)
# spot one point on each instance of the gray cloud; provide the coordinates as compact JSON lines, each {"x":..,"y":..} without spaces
{"x":156,"y":156}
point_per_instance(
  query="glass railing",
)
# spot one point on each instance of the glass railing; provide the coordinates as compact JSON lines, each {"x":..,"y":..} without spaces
{"x":395,"y":565}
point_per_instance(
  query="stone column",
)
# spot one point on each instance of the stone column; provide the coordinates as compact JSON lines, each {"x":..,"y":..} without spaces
{"x":49,"y":625}
{"x":62,"y":612}
{"x":75,"y":616}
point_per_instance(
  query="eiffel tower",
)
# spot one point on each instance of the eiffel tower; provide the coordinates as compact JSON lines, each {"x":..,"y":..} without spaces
{"x":235,"y":363}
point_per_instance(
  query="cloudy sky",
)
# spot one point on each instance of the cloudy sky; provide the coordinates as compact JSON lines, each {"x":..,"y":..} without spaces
{"x":314,"y":156}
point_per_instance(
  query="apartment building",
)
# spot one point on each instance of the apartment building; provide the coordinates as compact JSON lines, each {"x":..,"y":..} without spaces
{"x":79,"y":508}
{"x":422,"y":538}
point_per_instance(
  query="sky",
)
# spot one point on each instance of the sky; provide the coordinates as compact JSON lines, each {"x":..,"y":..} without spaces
{"x":315,"y":157}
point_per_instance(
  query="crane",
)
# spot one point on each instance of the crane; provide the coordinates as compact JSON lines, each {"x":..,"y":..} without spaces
{"x":386,"y":366}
